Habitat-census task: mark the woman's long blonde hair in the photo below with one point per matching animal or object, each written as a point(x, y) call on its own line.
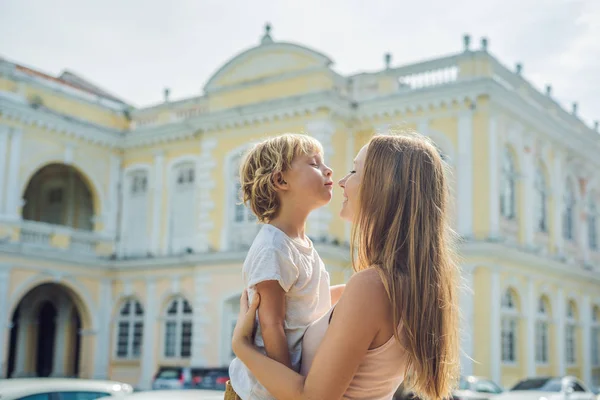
point(401, 228)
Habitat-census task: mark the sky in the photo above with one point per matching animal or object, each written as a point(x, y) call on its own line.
point(136, 48)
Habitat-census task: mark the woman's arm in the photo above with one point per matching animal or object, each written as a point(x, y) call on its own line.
point(354, 325)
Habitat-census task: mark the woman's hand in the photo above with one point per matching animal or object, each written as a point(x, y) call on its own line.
point(243, 333)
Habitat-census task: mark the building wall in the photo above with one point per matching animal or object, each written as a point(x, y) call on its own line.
point(472, 119)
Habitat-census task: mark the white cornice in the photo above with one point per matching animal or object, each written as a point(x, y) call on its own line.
point(275, 109)
point(498, 254)
point(423, 98)
point(581, 141)
point(27, 115)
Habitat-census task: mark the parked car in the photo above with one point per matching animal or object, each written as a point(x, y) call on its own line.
point(190, 378)
point(476, 388)
point(61, 389)
point(189, 394)
point(469, 388)
point(549, 388)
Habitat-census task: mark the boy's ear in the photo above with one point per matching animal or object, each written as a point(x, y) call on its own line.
point(279, 182)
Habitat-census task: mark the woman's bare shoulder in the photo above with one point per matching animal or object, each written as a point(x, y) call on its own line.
point(367, 284)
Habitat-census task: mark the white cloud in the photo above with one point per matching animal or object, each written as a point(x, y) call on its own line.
point(135, 48)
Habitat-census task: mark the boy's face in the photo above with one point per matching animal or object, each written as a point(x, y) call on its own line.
point(309, 180)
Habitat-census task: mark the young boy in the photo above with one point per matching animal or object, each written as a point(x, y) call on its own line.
point(283, 179)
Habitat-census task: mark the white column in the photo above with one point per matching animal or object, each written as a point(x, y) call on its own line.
point(3, 157)
point(62, 320)
point(466, 307)
point(102, 357)
point(4, 318)
point(351, 152)
point(495, 319)
point(148, 341)
point(24, 322)
point(586, 349)
point(582, 235)
point(206, 183)
point(112, 203)
point(464, 167)
point(531, 313)
point(560, 332)
point(494, 166)
point(528, 189)
point(200, 319)
point(13, 195)
point(559, 184)
point(318, 220)
point(159, 161)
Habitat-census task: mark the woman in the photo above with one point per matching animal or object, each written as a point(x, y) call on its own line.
point(398, 316)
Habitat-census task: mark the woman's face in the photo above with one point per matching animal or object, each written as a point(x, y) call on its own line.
point(350, 184)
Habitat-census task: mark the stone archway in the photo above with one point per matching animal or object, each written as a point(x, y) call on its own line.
point(45, 338)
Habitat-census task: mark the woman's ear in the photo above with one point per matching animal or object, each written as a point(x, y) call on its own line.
point(279, 181)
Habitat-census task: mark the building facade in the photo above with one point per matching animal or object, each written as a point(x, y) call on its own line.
point(121, 235)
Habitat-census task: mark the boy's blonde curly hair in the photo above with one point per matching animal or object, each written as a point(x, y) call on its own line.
point(265, 159)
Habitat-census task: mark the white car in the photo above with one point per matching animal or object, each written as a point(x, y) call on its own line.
point(566, 388)
point(61, 389)
point(178, 394)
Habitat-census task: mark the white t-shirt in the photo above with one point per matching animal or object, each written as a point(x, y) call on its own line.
point(301, 273)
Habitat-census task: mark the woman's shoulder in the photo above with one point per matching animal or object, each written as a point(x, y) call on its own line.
point(367, 284)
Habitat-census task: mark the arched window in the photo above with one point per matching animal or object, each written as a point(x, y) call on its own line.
point(182, 223)
point(570, 334)
point(130, 329)
point(178, 329)
point(541, 332)
point(592, 222)
point(569, 212)
point(541, 200)
point(136, 205)
point(508, 189)
point(510, 323)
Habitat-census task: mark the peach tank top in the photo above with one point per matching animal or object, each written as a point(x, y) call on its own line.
point(378, 375)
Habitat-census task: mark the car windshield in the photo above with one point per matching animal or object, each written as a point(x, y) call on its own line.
point(542, 384)
point(168, 374)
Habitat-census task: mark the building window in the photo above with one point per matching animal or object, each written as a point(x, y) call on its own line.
point(596, 336)
point(541, 332)
point(509, 327)
point(135, 229)
point(570, 335)
point(178, 329)
point(541, 201)
point(507, 195)
point(182, 224)
point(569, 212)
point(243, 226)
point(130, 329)
point(592, 221)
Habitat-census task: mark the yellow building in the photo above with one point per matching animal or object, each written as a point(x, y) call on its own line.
point(121, 239)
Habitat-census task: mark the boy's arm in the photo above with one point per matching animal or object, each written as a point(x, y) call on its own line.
point(336, 292)
point(271, 316)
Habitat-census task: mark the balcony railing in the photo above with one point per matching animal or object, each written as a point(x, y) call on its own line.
point(39, 235)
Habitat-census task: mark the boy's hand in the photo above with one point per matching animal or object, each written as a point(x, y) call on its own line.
point(271, 317)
